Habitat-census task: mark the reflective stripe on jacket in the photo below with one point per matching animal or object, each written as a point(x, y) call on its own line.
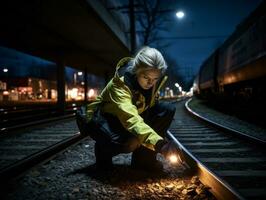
point(116, 98)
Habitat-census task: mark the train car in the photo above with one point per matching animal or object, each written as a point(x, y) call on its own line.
point(237, 69)
point(242, 58)
point(207, 81)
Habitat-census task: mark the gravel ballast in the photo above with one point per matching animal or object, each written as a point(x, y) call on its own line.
point(233, 122)
point(73, 175)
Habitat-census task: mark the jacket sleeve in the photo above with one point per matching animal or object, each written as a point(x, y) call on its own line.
point(121, 106)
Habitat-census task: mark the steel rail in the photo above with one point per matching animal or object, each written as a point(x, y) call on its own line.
point(224, 128)
point(6, 130)
point(219, 188)
point(32, 160)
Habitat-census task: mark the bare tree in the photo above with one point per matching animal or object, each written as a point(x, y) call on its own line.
point(151, 18)
point(148, 19)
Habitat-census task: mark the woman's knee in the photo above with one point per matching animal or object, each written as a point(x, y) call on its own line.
point(167, 108)
point(171, 108)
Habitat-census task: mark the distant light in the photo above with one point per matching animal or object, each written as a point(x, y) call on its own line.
point(176, 84)
point(180, 14)
point(5, 70)
point(6, 93)
point(91, 93)
point(74, 93)
point(80, 73)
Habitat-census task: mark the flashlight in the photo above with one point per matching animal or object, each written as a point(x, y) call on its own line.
point(173, 158)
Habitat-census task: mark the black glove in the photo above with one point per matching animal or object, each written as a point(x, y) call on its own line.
point(165, 147)
point(168, 148)
point(159, 145)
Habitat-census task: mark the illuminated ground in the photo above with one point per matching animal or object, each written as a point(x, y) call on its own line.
point(72, 175)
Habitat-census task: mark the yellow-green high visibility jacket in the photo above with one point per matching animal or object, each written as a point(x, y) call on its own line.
point(116, 98)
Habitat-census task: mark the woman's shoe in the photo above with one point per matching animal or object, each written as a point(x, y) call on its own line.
point(149, 166)
point(103, 158)
point(145, 159)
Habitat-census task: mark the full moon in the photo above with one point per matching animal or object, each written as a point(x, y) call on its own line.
point(180, 14)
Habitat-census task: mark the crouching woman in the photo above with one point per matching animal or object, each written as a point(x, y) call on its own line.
point(126, 117)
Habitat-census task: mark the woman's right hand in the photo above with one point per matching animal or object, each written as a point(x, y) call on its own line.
point(169, 149)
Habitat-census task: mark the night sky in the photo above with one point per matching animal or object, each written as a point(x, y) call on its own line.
point(214, 20)
point(207, 23)
point(24, 65)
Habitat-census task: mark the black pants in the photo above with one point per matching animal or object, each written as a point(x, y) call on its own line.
point(109, 133)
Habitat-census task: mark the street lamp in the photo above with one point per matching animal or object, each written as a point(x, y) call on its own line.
point(179, 88)
point(5, 70)
point(180, 14)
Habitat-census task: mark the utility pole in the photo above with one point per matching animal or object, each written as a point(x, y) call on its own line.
point(132, 26)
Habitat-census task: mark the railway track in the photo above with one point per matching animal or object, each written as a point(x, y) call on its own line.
point(22, 152)
point(234, 167)
point(17, 117)
point(24, 149)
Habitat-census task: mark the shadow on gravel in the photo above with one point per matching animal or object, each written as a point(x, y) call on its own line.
point(124, 173)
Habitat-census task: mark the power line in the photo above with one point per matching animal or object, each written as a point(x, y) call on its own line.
point(192, 37)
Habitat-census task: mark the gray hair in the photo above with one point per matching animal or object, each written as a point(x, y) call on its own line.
point(148, 58)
